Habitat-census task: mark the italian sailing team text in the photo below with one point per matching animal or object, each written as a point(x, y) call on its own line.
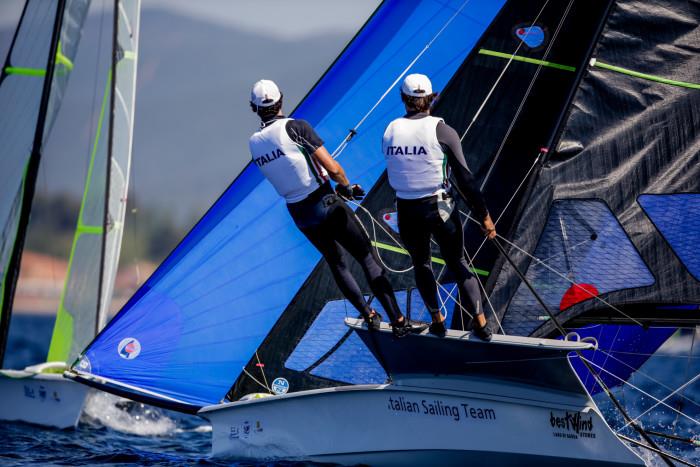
point(439, 408)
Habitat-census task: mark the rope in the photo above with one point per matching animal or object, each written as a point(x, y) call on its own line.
point(262, 370)
point(255, 379)
point(341, 147)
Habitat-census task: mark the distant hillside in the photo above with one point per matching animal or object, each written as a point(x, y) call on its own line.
point(192, 115)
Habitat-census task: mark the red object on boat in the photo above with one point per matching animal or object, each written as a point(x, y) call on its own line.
point(576, 294)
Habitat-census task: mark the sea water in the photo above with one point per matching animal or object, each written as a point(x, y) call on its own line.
point(119, 433)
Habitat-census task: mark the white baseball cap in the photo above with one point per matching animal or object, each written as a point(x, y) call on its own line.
point(265, 93)
point(417, 85)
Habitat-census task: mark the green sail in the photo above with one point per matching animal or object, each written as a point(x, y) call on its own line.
point(87, 291)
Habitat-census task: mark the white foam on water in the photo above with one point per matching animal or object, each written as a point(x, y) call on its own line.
point(125, 416)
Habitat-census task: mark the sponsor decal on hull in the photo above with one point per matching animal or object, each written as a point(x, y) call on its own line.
point(571, 425)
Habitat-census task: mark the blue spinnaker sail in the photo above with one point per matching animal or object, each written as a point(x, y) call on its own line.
point(189, 331)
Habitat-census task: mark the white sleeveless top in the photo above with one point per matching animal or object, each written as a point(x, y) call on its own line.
point(294, 173)
point(415, 161)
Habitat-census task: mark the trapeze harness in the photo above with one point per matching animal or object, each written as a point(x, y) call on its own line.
point(418, 149)
point(282, 150)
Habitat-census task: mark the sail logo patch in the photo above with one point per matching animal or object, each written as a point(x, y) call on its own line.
point(129, 348)
point(84, 364)
point(391, 219)
point(280, 386)
point(532, 36)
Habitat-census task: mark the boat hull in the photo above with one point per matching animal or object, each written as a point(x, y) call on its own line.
point(406, 424)
point(43, 399)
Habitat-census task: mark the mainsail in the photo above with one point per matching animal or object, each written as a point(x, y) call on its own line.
point(186, 335)
point(32, 82)
point(94, 257)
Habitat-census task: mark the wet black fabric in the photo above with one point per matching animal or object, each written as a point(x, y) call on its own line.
point(333, 229)
point(624, 136)
point(419, 221)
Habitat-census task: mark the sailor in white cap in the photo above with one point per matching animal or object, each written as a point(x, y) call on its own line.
point(291, 155)
point(419, 149)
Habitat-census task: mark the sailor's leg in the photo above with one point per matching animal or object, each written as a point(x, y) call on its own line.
point(322, 238)
point(415, 235)
point(352, 236)
point(450, 237)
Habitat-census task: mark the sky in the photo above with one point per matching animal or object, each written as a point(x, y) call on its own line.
point(197, 62)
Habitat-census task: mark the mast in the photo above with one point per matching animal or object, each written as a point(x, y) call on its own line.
point(29, 181)
point(106, 223)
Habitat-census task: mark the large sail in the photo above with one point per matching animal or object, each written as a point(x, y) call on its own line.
point(598, 233)
point(87, 292)
point(32, 82)
point(505, 99)
point(188, 332)
point(609, 230)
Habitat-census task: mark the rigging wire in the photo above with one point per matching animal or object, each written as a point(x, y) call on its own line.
point(687, 370)
point(341, 147)
point(563, 276)
point(586, 363)
point(503, 72)
point(631, 421)
point(638, 371)
point(673, 393)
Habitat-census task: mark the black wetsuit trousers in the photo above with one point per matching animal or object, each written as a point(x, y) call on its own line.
point(420, 219)
point(334, 229)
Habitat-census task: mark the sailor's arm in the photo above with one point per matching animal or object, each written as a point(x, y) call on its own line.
point(464, 180)
point(334, 169)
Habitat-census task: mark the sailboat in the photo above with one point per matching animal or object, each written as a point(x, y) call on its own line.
point(40, 394)
point(242, 324)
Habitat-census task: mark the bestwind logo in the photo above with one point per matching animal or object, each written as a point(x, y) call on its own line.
point(572, 425)
point(406, 151)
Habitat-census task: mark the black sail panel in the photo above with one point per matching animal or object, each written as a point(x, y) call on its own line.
point(605, 214)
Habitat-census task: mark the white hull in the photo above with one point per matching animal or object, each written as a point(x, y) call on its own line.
point(46, 399)
point(453, 401)
point(375, 426)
